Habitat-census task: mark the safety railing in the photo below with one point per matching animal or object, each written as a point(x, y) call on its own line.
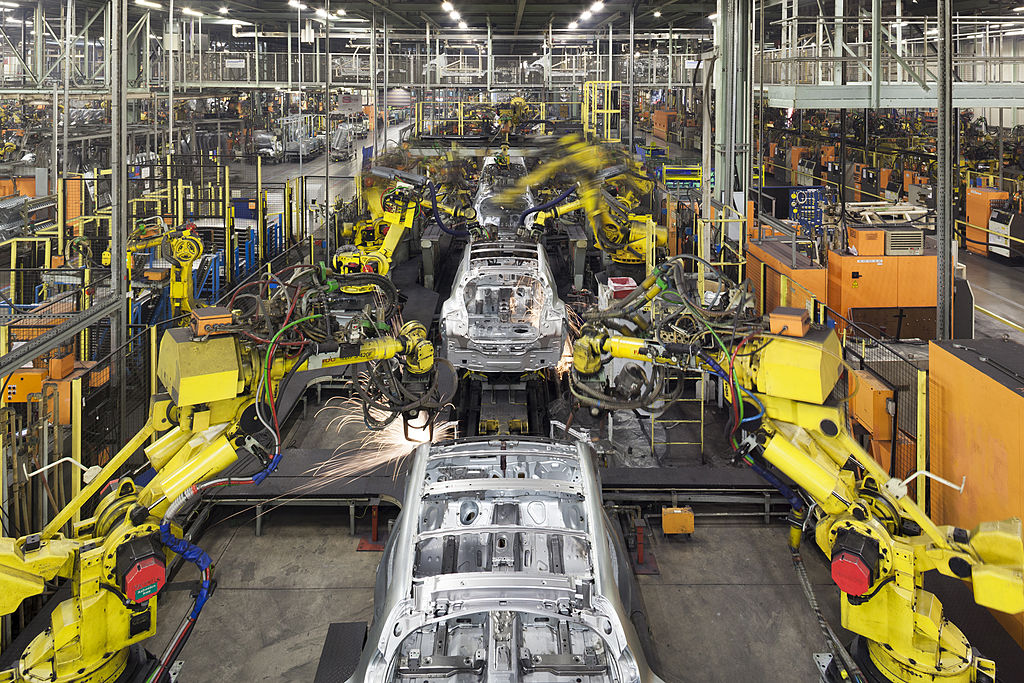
point(882, 372)
point(984, 51)
point(450, 67)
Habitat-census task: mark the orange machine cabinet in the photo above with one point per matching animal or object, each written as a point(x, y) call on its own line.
point(976, 429)
point(869, 404)
point(866, 241)
point(979, 211)
point(663, 120)
point(805, 283)
point(23, 383)
point(881, 281)
point(795, 155)
point(856, 181)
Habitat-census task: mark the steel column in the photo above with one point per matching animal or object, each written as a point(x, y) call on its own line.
point(632, 103)
point(876, 54)
point(944, 181)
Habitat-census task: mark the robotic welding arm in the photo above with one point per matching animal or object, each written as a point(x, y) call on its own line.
point(878, 541)
point(116, 560)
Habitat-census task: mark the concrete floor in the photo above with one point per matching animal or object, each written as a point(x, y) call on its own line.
point(342, 172)
point(997, 287)
point(727, 605)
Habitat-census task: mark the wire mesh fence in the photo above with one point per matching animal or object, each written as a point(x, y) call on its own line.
point(882, 387)
point(115, 397)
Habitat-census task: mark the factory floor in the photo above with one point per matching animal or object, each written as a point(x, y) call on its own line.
point(342, 172)
point(997, 286)
point(727, 605)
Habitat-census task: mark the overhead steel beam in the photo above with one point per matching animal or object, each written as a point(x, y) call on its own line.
point(396, 15)
point(519, 16)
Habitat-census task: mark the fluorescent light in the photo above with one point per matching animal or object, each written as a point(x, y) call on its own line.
point(296, 4)
point(189, 10)
point(341, 13)
point(1015, 9)
point(534, 54)
point(223, 10)
point(586, 15)
point(454, 14)
point(14, 4)
point(714, 16)
point(463, 24)
point(321, 12)
point(142, 3)
point(657, 13)
point(573, 25)
point(597, 6)
point(447, 6)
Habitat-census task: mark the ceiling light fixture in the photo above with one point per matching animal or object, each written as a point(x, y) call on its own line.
point(657, 13)
point(463, 25)
point(454, 14)
point(191, 12)
point(573, 25)
point(223, 10)
point(586, 15)
point(597, 6)
point(321, 12)
point(714, 16)
point(341, 13)
point(447, 6)
point(141, 3)
point(1019, 9)
point(14, 4)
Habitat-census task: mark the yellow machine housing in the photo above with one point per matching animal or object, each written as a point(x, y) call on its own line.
point(195, 372)
point(800, 369)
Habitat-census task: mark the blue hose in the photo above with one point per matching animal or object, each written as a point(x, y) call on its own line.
point(437, 215)
point(721, 373)
point(794, 500)
point(545, 206)
point(195, 555)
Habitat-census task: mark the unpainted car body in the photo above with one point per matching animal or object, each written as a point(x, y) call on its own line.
point(504, 314)
point(503, 567)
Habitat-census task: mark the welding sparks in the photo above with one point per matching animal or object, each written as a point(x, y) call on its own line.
point(375, 449)
point(564, 365)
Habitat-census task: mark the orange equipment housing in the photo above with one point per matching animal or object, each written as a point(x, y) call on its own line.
point(804, 283)
point(976, 429)
point(663, 120)
point(980, 201)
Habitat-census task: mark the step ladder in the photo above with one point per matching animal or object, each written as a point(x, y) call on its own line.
point(697, 397)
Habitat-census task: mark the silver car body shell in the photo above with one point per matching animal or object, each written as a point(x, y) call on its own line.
point(471, 587)
point(495, 177)
point(504, 314)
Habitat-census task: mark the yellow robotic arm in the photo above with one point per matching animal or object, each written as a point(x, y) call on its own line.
point(627, 237)
point(116, 559)
point(879, 542)
point(181, 248)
